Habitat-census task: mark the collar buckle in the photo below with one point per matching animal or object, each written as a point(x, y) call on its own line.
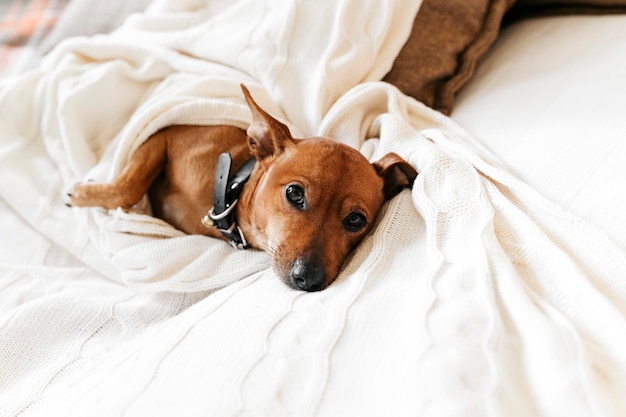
point(217, 217)
point(222, 215)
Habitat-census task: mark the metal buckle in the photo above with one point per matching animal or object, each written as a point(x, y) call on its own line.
point(206, 220)
point(209, 219)
point(223, 214)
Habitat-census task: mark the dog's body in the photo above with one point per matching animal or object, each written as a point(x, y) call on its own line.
point(307, 201)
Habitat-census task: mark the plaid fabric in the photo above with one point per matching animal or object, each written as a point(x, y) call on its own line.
point(23, 26)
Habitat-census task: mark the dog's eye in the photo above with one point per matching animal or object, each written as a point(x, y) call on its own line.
point(354, 222)
point(295, 195)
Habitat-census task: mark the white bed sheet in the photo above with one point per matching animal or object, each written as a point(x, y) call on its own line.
point(550, 101)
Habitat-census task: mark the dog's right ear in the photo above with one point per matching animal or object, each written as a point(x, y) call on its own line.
point(266, 135)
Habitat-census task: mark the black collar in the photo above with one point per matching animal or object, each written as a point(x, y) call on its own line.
point(225, 197)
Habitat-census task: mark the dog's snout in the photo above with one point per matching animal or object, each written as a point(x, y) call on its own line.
point(307, 276)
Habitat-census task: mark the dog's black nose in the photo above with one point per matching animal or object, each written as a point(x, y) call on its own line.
point(307, 276)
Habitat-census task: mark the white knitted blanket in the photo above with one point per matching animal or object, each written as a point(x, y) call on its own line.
point(473, 296)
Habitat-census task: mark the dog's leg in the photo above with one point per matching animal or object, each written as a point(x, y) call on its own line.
point(130, 186)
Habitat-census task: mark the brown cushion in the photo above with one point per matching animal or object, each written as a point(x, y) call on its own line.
point(448, 38)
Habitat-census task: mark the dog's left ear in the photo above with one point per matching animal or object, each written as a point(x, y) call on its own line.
point(266, 135)
point(396, 173)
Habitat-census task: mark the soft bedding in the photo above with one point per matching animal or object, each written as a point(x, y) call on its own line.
point(549, 101)
point(474, 295)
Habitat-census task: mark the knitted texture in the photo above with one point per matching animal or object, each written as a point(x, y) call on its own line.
point(473, 295)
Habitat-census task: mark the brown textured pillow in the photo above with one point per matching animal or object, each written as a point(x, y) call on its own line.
point(447, 40)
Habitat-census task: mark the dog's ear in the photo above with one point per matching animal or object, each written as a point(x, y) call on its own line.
point(266, 135)
point(396, 173)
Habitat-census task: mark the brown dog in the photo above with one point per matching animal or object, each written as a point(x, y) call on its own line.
point(307, 202)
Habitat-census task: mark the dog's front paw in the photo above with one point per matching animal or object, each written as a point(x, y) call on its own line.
point(77, 196)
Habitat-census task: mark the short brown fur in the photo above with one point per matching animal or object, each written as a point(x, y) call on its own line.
point(342, 191)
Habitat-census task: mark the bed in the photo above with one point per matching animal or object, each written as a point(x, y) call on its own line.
point(496, 286)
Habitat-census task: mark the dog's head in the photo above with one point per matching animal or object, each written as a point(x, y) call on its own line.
point(311, 201)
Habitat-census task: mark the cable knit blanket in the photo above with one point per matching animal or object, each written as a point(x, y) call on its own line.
point(473, 296)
